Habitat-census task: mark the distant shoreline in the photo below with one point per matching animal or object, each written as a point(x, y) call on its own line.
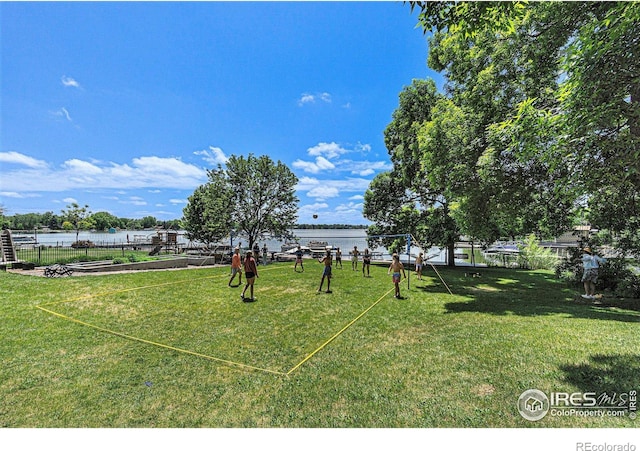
point(297, 226)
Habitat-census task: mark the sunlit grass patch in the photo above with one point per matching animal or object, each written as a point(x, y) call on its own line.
point(204, 316)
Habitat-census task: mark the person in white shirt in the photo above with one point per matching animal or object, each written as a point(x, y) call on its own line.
point(591, 264)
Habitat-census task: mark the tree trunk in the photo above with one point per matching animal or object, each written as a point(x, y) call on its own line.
point(451, 254)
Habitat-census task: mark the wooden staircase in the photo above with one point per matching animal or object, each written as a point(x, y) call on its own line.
point(7, 248)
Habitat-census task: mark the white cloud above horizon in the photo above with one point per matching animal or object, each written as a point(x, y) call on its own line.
point(69, 82)
point(323, 152)
point(307, 98)
point(214, 156)
point(141, 172)
point(21, 159)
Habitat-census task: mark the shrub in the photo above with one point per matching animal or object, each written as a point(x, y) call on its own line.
point(534, 256)
point(614, 275)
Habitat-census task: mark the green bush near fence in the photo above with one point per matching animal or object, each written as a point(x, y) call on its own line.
point(534, 256)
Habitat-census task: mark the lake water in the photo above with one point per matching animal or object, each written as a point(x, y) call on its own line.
point(345, 239)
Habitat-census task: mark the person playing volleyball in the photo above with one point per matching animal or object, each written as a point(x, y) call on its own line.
point(398, 268)
point(326, 273)
point(250, 273)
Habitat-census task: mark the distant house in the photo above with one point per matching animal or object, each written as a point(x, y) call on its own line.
point(578, 233)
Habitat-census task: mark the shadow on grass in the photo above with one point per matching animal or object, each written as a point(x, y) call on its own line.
point(605, 373)
point(524, 293)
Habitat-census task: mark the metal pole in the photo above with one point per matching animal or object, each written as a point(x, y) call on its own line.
point(408, 236)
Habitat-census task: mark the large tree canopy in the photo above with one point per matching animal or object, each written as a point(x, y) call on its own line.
point(551, 94)
point(253, 196)
point(410, 198)
point(207, 216)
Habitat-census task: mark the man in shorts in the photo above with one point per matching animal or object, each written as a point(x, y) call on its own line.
point(398, 269)
point(354, 258)
point(326, 273)
point(366, 263)
point(419, 262)
point(298, 260)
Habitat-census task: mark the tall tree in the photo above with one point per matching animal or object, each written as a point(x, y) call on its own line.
point(79, 217)
point(253, 196)
point(263, 196)
point(409, 199)
point(103, 220)
point(207, 216)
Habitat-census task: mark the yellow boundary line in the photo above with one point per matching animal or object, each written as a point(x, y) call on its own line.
point(142, 340)
point(338, 333)
point(186, 351)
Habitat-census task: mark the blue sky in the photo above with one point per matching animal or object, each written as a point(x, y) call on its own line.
point(124, 106)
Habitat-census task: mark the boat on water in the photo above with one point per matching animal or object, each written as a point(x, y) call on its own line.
point(502, 249)
point(286, 247)
point(318, 245)
point(23, 240)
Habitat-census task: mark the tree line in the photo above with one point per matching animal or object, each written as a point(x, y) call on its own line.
point(537, 130)
point(101, 221)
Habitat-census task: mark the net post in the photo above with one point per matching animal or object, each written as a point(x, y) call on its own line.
point(408, 237)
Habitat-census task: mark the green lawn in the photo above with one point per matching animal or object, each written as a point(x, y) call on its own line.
point(180, 349)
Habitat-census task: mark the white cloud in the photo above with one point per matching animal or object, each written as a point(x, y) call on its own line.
point(177, 201)
point(313, 208)
point(62, 112)
point(364, 148)
point(312, 98)
point(323, 192)
point(329, 150)
point(325, 97)
point(134, 200)
point(346, 185)
point(70, 200)
point(82, 167)
point(143, 172)
point(18, 158)
point(365, 168)
point(306, 183)
point(15, 195)
point(306, 98)
point(70, 82)
point(351, 207)
point(214, 156)
point(321, 164)
point(357, 197)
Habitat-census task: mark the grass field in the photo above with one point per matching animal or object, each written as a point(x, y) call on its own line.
point(180, 349)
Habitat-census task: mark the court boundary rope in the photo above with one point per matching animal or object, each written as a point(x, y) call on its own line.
point(338, 333)
point(186, 351)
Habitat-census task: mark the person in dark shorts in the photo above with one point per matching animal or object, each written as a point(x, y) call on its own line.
point(366, 262)
point(250, 274)
point(339, 257)
point(326, 273)
point(298, 260)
